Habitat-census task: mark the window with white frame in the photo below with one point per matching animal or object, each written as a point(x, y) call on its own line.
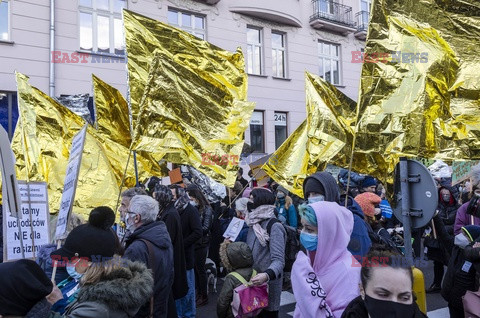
point(190, 22)
point(5, 20)
point(279, 54)
point(280, 128)
point(257, 135)
point(254, 51)
point(365, 7)
point(101, 28)
point(329, 62)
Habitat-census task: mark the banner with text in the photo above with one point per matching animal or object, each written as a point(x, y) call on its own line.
point(34, 224)
point(461, 170)
point(10, 191)
point(70, 183)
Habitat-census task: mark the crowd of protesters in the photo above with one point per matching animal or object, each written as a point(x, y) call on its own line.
point(157, 266)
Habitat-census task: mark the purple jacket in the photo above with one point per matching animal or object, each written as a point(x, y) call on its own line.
point(463, 219)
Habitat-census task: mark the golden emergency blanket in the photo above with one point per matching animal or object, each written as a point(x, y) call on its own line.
point(47, 129)
point(114, 133)
point(203, 127)
point(192, 108)
point(326, 133)
point(420, 84)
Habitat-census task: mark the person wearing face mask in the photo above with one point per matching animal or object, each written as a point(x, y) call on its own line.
point(462, 218)
point(241, 211)
point(84, 244)
point(324, 278)
point(126, 196)
point(198, 200)
point(386, 289)
point(321, 186)
point(285, 208)
point(150, 244)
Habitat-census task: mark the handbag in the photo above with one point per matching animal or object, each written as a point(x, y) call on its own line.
point(471, 304)
point(248, 299)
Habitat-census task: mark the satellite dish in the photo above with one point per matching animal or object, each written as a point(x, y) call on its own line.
point(423, 194)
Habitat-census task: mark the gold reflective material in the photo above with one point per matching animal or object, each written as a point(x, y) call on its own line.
point(47, 129)
point(425, 100)
point(114, 133)
point(188, 117)
point(325, 135)
point(143, 37)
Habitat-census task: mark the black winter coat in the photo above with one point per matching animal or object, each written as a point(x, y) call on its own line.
point(192, 233)
point(174, 227)
point(357, 309)
point(448, 212)
point(473, 255)
point(137, 250)
point(206, 219)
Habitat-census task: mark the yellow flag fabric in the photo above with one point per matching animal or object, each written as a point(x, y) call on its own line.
point(188, 97)
point(326, 134)
point(42, 139)
point(203, 128)
point(422, 98)
point(114, 133)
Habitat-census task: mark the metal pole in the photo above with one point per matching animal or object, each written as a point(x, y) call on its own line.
point(136, 168)
point(52, 49)
point(404, 186)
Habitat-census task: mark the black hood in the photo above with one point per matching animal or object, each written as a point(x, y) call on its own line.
point(323, 180)
point(155, 232)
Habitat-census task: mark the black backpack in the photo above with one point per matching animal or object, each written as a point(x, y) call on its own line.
point(292, 243)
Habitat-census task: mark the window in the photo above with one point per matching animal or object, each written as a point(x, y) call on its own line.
point(4, 20)
point(101, 29)
point(8, 112)
point(279, 54)
point(326, 6)
point(280, 128)
point(254, 51)
point(329, 62)
point(256, 132)
point(365, 7)
point(192, 23)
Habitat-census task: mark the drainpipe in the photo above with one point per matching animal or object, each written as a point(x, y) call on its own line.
point(52, 48)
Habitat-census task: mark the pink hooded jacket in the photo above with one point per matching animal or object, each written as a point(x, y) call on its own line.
point(326, 288)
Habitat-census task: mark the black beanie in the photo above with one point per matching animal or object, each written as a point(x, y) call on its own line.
point(22, 284)
point(313, 185)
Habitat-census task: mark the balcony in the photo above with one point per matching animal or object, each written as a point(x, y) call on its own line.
point(332, 16)
point(285, 12)
point(362, 25)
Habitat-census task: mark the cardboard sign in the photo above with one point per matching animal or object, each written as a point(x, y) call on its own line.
point(70, 183)
point(10, 192)
point(34, 224)
point(234, 229)
point(461, 170)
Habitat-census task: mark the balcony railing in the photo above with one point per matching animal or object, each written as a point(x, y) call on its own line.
point(333, 12)
point(362, 20)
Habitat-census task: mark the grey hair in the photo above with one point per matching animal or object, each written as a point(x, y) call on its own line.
point(145, 206)
point(130, 193)
point(475, 177)
point(241, 205)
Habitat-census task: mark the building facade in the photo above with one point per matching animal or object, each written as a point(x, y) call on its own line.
point(281, 39)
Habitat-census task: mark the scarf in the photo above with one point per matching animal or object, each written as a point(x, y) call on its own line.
point(255, 217)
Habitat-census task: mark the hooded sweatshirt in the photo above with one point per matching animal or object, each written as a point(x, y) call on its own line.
point(330, 283)
point(137, 250)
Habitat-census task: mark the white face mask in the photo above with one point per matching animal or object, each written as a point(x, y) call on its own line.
point(193, 203)
point(461, 240)
point(130, 222)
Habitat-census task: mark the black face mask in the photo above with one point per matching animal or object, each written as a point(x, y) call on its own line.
point(388, 309)
point(250, 206)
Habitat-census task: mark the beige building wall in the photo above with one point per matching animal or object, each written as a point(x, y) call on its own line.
point(27, 49)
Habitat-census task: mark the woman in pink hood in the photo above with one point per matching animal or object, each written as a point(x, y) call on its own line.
point(324, 281)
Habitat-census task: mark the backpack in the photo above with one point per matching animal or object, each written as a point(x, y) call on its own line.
point(292, 243)
point(378, 239)
point(248, 300)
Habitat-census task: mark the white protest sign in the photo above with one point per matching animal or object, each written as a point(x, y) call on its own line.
point(11, 196)
point(70, 183)
point(34, 225)
point(234, 229)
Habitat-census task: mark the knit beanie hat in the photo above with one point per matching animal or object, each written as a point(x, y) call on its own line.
point(22, 284)
point(471, 231)
point(368, 182)
point(367, 202)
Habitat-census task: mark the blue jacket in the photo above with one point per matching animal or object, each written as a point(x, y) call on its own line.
point(360, 242)
point(290, 215)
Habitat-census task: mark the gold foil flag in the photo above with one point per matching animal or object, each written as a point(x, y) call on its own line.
point(422, 98)
point(325, 134)
point(186, 118)
point(114, 133)
point(144, 37)
point(42, 141)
